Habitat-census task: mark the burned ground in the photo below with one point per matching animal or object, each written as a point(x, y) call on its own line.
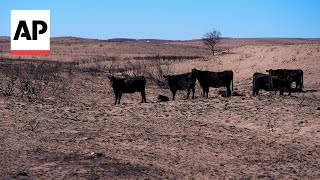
point(83, 135)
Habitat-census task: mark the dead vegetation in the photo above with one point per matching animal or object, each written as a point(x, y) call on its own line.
point(33, 79)
point(80, 134)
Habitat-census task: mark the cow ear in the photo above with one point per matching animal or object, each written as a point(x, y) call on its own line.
point(165, 76)
point(110, 77)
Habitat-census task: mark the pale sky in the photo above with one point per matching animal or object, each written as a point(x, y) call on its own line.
point(173, 19)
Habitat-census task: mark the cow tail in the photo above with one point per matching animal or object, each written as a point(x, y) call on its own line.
point(232, 83)
point(302, 81)
point(271, 82)
point(253, 85)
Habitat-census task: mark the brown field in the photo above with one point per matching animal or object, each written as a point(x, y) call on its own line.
point(72, 130)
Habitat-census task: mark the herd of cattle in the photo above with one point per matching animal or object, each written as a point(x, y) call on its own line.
point(276, 80)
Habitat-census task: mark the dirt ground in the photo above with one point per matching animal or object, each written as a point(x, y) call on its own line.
point(242, 137)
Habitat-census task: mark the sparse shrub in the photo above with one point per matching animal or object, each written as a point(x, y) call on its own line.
point(168, 58)
point(35, 78)
point(136, 68)
point(93, 70)
point(294, 58)
point(274, 60)
point(152, 70)
point(7, 87)
point(97, 58)
point(272, 49)
point(31, 79)
point(96, 65)
point(116, 67)
point(156, 72)
point(243, 56)
point(10, 76)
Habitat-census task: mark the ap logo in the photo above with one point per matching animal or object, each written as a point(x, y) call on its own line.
point(30, 32)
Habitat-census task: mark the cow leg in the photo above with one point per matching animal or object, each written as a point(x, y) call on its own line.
point(116, 98)
point(203, 92)
point(207, 92)
point(228, 91)
point(289, 90)
point(143, 97)
point(173, 94)
point(255, 91)
point(281, 92)
point(188, 94)
point(193, 93)
point(119, 98)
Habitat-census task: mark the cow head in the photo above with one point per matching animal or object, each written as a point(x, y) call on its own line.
point(269, 71)
point(193, 72)
point(165, 83)
point(111, 78)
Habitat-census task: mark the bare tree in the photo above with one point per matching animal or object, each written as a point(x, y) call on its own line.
point(211, 38)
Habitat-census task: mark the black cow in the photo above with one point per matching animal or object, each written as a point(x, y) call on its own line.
point(181, 82)
point(281, 84)
point(128, 85)
point(214, 79)
point(261, 81)
point(162, 98)
point(268, 82)
point(295, 74)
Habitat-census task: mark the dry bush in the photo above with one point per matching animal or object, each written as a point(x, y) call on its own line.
point(7, 86)
point(243, 56)
point(93, 69)
point(136, 68)
point(94, 66)
point(97, 58)
point(35, 78)
point(152, 70)
point(167, 58)
point(7, 83)
point(157, 70)
point(32, 79)
point(116, 67)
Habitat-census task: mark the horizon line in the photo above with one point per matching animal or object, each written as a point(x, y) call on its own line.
point(155, 39)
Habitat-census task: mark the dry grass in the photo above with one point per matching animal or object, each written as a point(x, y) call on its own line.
point(84, 136)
